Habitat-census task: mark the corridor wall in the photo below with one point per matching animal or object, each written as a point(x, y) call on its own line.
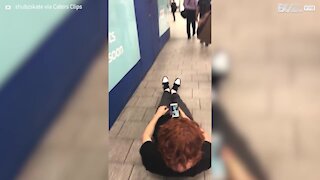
point(150, 44)
point(35, 92)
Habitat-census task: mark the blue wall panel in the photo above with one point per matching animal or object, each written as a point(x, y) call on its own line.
point(150, 45)
point(34, 95)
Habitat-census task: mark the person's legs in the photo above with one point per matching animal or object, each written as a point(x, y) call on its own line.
point(188, 28)
point(176, 98)
point(166, 96)
point(188, 23)
point(165, 99)
point(174, 16)
point(193, 28)
point(193, 21)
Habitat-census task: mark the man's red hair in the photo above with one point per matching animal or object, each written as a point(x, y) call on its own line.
point(179, 142)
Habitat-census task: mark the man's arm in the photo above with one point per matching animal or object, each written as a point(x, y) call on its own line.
point(183, 115)
point(207, 137)
point(148, 132)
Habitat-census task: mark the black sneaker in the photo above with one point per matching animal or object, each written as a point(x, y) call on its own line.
point(165, 82)
point(176, 84)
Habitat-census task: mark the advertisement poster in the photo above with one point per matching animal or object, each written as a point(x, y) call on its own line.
point(123, 40)
point(163, 10)
point(23, 30)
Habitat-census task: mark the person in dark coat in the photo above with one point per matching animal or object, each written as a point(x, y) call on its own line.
point(190, 7)
point(204, 26)
point(173, 9)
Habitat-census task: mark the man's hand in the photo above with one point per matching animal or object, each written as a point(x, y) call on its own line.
point(162, 110)
point(207, 137)
point(182, 114)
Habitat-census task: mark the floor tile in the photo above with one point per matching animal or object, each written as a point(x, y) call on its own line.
point(132, 130)
point(119, 149)
point(134, 153)
point(120, 171)
point(140, 173)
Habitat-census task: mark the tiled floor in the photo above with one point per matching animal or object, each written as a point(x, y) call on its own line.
point(179, 58)
point(75, 146)
point(273, 92)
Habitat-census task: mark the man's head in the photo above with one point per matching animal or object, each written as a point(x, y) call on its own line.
point(180, 143)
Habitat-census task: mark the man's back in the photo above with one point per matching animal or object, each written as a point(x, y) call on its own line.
point(173, 6)
point(190, 4)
